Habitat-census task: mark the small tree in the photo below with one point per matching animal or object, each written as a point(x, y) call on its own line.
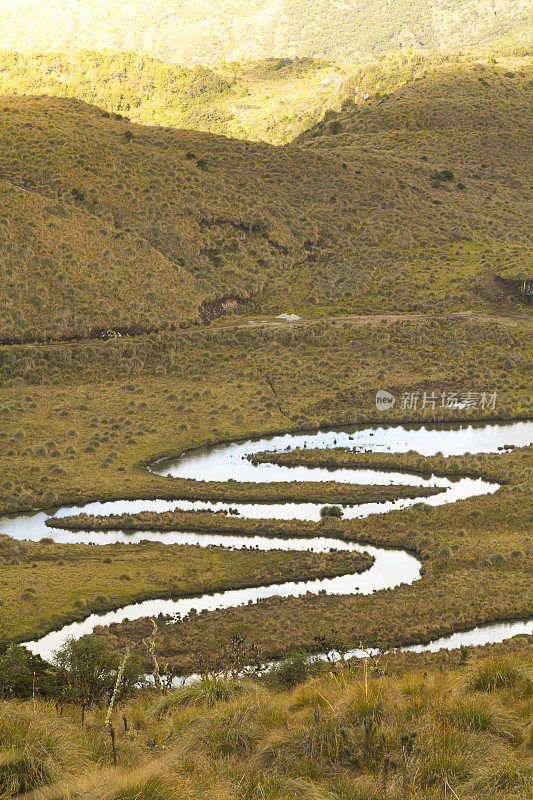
point(87, 671)
point(22, 673)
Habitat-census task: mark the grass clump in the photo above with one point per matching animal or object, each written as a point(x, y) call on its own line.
point(331, 511)
point(500, 674)
point(36, 750)
point(207, 691)
point(149, 789)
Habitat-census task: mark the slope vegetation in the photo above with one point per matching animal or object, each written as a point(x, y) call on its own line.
point(476, 121)
point(109, 223)
point(198, 32)
point(273, 100)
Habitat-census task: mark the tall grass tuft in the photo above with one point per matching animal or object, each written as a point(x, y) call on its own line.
point(208, 690)
point(149, 789)
point(494, 674)
point(36, 750)
point(469, 714)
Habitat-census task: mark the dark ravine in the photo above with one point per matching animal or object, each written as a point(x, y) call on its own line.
point(210, 310)
point(519, 288)
point(99, 333)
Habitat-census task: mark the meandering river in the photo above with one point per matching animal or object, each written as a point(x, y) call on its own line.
point(229, 462)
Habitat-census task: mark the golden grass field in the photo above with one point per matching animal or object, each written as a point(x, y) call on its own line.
point(413, 728)
point(398, 227)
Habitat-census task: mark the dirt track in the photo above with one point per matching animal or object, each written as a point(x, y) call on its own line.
point(357, 320)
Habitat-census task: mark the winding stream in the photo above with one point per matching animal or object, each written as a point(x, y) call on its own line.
point(229, 462)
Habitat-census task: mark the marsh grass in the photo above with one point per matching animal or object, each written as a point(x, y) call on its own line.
point(217, 375)
point(92, 579)
point(478, 581)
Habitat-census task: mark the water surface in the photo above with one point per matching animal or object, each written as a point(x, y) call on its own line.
point(222, 463)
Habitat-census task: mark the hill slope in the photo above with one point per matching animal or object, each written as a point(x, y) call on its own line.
point(273, 100)
point(114, 224)
point(198, 32)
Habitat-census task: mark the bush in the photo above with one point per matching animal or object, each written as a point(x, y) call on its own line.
point(331, 511)
point(295, 669)
point(335, 126)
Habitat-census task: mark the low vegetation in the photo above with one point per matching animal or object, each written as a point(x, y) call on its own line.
point(119, 242)
point(490, 466)
point(398, 727)
point(91, 579)
point(272, 100)
point(113, 226)
point(477, 568)
point(220, 521)
point(80, 420)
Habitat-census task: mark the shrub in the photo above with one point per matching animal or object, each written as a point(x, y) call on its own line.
point(335, 126)
point(295, 669)
point(331, 511)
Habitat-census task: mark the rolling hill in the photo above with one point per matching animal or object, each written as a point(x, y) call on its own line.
point(110, 224)
point(272, 100)
point(194, 31)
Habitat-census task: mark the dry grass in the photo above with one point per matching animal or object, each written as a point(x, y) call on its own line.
point(495, 467)
point(417, 735)
point(109, 224)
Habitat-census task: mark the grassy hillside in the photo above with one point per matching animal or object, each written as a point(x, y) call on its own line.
point(411, 727)
point(457, 113)
point(195, 32)
point(273, 100)
point(112, 224)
